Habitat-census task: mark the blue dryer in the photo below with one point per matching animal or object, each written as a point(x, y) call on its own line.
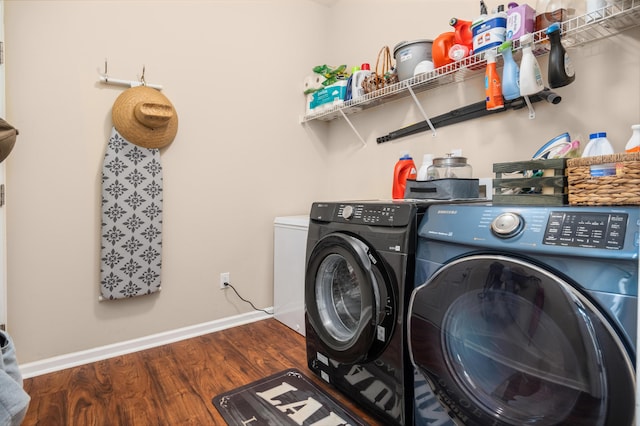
point(527, 315)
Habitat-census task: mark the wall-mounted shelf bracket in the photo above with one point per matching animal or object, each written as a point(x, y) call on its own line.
point(424, 114)
point(353, 127)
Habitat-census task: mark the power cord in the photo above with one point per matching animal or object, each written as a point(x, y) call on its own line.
point(245, 300)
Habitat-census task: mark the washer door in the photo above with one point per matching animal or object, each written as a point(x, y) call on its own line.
point(505, 342)
point(349, 299)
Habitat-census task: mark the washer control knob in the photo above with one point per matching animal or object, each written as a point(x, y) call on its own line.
point(347, 212)
point(507, 225)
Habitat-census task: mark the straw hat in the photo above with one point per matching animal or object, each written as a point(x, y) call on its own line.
point(7, 139)
point(145, 117)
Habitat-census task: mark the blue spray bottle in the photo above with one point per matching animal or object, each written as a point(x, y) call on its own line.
point(510, 73)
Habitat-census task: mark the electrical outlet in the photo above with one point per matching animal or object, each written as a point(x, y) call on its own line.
point(224, 278)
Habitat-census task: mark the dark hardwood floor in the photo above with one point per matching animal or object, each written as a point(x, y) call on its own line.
point(171, 384)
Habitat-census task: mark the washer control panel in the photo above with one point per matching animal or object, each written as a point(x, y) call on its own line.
point(591, 230)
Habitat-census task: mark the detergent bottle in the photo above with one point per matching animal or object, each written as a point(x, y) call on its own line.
point(561, 72)
point(357, 78)
point(633, 145)
point(405, 169)
point(530, 74)
point(510, 72)
point(492, 86)
point(599, 145)
point(441, 47)
point(462, 37)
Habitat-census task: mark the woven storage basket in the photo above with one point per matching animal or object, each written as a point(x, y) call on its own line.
point(622, 188)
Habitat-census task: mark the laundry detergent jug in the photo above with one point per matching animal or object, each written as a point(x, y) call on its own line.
point(405, 169)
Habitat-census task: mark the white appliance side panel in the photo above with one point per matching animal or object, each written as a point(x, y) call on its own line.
point(289, 252)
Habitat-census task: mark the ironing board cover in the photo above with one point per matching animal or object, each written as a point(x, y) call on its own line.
point(131, 219)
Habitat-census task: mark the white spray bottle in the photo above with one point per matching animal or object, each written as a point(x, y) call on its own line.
point(530, 74)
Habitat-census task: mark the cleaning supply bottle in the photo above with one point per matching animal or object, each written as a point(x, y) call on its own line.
point(489, 30)
point(357, 78)
point(598, 145)
point(510, 72)
point(530, 75)
point(462, 36)
point(561, 72)
point(634, 142)
point(423, 172)
point(348, 94)
point(441, 47)
point(405, 169)
point(476, 24)
point(492, 86)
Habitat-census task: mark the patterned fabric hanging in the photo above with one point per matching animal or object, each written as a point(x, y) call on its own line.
point(131, 251)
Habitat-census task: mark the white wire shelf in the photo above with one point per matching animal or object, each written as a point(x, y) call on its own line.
point(612, 19)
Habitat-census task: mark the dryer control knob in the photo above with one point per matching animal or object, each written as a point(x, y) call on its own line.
point(507, 225)
point(347, 212)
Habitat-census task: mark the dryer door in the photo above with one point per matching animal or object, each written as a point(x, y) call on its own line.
point(503, 341)
point(349, 298)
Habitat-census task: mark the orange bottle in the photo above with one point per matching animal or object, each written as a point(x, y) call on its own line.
point(463, 34)
point(492, 85)
point(405, 169)
point(440, 49)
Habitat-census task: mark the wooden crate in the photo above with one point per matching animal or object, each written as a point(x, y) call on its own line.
point(550, 189)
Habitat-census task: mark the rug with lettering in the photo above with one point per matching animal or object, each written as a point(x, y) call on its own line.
point(285, 398)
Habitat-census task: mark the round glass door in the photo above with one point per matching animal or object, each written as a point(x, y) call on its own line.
point(339, 297)
point(506, 342)
point(348, 298)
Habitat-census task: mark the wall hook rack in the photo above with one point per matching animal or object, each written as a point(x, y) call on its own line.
point(105, 79)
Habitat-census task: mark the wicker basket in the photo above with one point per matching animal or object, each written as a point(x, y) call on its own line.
point(619, 189)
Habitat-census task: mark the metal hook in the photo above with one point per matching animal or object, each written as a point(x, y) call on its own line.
point(144, 83)
point(106, 77)
point(532, 112)
point(131, 83)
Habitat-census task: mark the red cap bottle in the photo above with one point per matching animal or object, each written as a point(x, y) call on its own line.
point(405, 169)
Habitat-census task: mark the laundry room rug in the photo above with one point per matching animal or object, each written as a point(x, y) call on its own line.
point(285, 398)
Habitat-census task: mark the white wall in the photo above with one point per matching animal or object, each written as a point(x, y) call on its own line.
point(234, 71)
point(241, 157)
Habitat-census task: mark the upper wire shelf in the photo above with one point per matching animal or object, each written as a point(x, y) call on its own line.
point(607, 21)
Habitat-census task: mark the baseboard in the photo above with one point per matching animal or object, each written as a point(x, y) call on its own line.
point(74, 359)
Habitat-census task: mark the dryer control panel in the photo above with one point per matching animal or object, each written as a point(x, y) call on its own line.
point(392, 213)
point(590, 230)
point(361, 213)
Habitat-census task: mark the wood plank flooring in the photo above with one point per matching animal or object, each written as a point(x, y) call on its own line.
point(172, 384)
